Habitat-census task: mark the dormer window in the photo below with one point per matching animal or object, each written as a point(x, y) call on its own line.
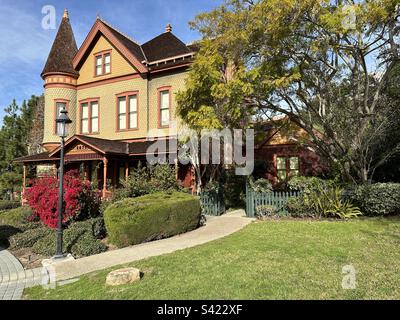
point(102, 63)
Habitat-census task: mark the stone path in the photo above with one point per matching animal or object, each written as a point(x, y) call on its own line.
point(13, 277)
point(215, 228)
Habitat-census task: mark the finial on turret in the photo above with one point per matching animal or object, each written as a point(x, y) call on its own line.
point(98, 16)
point(168, 28)
point(65, 15)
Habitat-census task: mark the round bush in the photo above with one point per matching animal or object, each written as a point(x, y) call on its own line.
point(378, 199)
point(150, 217)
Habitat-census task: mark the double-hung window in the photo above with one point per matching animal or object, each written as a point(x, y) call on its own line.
point(102, 63)
point(127, 111)
point(164, 103)
point(89, 116)
point(287, 167)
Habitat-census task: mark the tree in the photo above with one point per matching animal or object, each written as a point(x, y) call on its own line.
point(323, 64)
point(16, 135)
point(35, 134)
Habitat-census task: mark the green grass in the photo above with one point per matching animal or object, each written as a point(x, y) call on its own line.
point(284, 259)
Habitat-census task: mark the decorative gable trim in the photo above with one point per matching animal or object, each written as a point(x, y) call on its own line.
point(99, 26)
point(75, 138)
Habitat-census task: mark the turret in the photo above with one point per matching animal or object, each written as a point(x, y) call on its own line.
point(60, 79)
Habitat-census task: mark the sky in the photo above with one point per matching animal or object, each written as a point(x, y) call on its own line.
point(25, 44)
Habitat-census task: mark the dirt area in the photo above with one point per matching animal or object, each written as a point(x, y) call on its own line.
point(28, 259)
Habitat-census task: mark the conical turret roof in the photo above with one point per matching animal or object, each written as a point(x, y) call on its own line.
point(63, 50)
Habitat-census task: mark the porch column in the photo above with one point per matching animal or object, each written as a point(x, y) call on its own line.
point(126, 170)
point(105, 162)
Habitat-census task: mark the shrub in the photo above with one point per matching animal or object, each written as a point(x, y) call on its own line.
point(308, 185)
point(19, 217)
point(28, 238)
point(9, 204)
point(78, 240)
point(147, 180)
point(261, 185)
point(96, 226)
point(296, 207)
point(81, 201)
point(378, 199)
point(322, 202)
point(150, 217)
point(264, 211)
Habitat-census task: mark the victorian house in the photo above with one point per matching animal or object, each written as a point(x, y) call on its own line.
point(120, 96)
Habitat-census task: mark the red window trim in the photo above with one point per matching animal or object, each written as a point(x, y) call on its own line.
point(126, 94)
point(89, 101)
point(67, 102)
point(159, 90)
point(103, 65)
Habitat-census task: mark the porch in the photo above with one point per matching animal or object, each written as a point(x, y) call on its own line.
point(105, 163)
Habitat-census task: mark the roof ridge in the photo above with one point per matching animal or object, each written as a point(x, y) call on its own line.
point(122, 33)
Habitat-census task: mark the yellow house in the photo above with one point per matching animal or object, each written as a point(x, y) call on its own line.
point(120, 96)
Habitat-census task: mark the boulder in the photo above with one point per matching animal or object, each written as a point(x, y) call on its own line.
point(123, 276)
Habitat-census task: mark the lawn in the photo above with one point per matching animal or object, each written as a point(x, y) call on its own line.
point(285, 259)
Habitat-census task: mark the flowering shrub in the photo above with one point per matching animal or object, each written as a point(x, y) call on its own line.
point(80, 200)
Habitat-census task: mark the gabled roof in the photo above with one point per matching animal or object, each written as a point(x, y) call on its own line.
point(126, 46)
point(102, 146)
point(164, 46)
point(63, 50)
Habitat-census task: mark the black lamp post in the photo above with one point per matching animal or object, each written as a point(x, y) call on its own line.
point(62, 123)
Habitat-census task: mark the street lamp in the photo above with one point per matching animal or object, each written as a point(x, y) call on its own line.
point(62, 123)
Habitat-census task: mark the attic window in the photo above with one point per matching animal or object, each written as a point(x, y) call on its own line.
point(102, 63)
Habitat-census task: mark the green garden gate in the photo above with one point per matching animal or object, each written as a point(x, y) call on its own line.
point(213, 202)
point(273, 198)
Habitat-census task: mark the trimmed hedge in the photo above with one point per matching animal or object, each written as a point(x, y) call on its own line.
point(151, 217)
point(9, 204)
point(378, 199)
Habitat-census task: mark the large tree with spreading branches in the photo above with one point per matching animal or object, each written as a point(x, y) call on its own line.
point(325, 64)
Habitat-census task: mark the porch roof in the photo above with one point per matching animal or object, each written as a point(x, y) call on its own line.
point(40, 157)
point(103, 147)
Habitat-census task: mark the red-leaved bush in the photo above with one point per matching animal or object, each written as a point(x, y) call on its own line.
point(80, 200)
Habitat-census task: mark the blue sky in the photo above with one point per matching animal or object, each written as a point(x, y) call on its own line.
point(24, 44)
